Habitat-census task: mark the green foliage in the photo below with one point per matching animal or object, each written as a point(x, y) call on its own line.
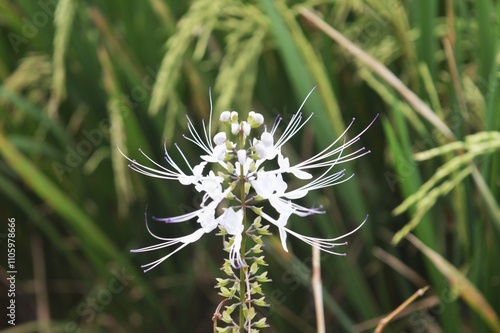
point(77, 79)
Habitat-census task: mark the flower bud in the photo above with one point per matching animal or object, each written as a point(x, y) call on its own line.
point(230, 167)
point(255, 119)
point(248, 186)
point(242, 155)
point(234, 117)
point(224, 116)
point(235, 128)
point(220, 138)
point(252, 168)
point(246, 128)
point(230, 145)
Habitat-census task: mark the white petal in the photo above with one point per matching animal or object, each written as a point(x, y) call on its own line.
point(206, 216)
point(295, 194)
point(280, 223)
point(283, 162)
point(198, 169)
point(234, 253)
point(267, 139)
point(282, 232)
point(264, 184)
point(220, 152)
point(300, 174)
point(186, 180)
point(260, 149)
point(220, 138)
point(280, 184)
point(232, 221)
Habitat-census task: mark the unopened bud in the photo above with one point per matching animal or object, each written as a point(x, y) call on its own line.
point(224, 116)
point(220, 138)
point(234, 117)
point(255, 119)
point(235, 128)
point(246, 128)
point(242, 155)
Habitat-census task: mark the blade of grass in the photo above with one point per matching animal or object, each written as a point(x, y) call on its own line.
point(36, 113)
point(302, 83)
point(488, 48)
point(123, 186)
point(46, 226)
point(63, 21)
point(412, 99)
point(410, 183)
point(466, 289)
point(302, 273)
point(316, 69)
point(97, 245)
point(486, 37)
point(424, 18)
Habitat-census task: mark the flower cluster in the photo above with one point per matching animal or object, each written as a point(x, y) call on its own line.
point(246, 179)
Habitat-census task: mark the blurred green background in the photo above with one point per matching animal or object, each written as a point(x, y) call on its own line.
point(79, 77)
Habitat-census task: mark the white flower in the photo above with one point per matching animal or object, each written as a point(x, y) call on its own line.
point(247, 180)
point(233, 223)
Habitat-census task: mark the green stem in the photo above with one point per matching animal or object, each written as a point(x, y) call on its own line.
point(243, 242)
point(242, 298)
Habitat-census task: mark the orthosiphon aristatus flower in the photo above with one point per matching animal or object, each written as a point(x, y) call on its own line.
point(253, 170)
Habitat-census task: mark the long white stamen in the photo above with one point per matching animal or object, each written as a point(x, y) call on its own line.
point(184, 157)
point(209, 136)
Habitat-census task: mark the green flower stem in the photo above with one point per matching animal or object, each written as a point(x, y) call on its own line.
point(243, 241)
